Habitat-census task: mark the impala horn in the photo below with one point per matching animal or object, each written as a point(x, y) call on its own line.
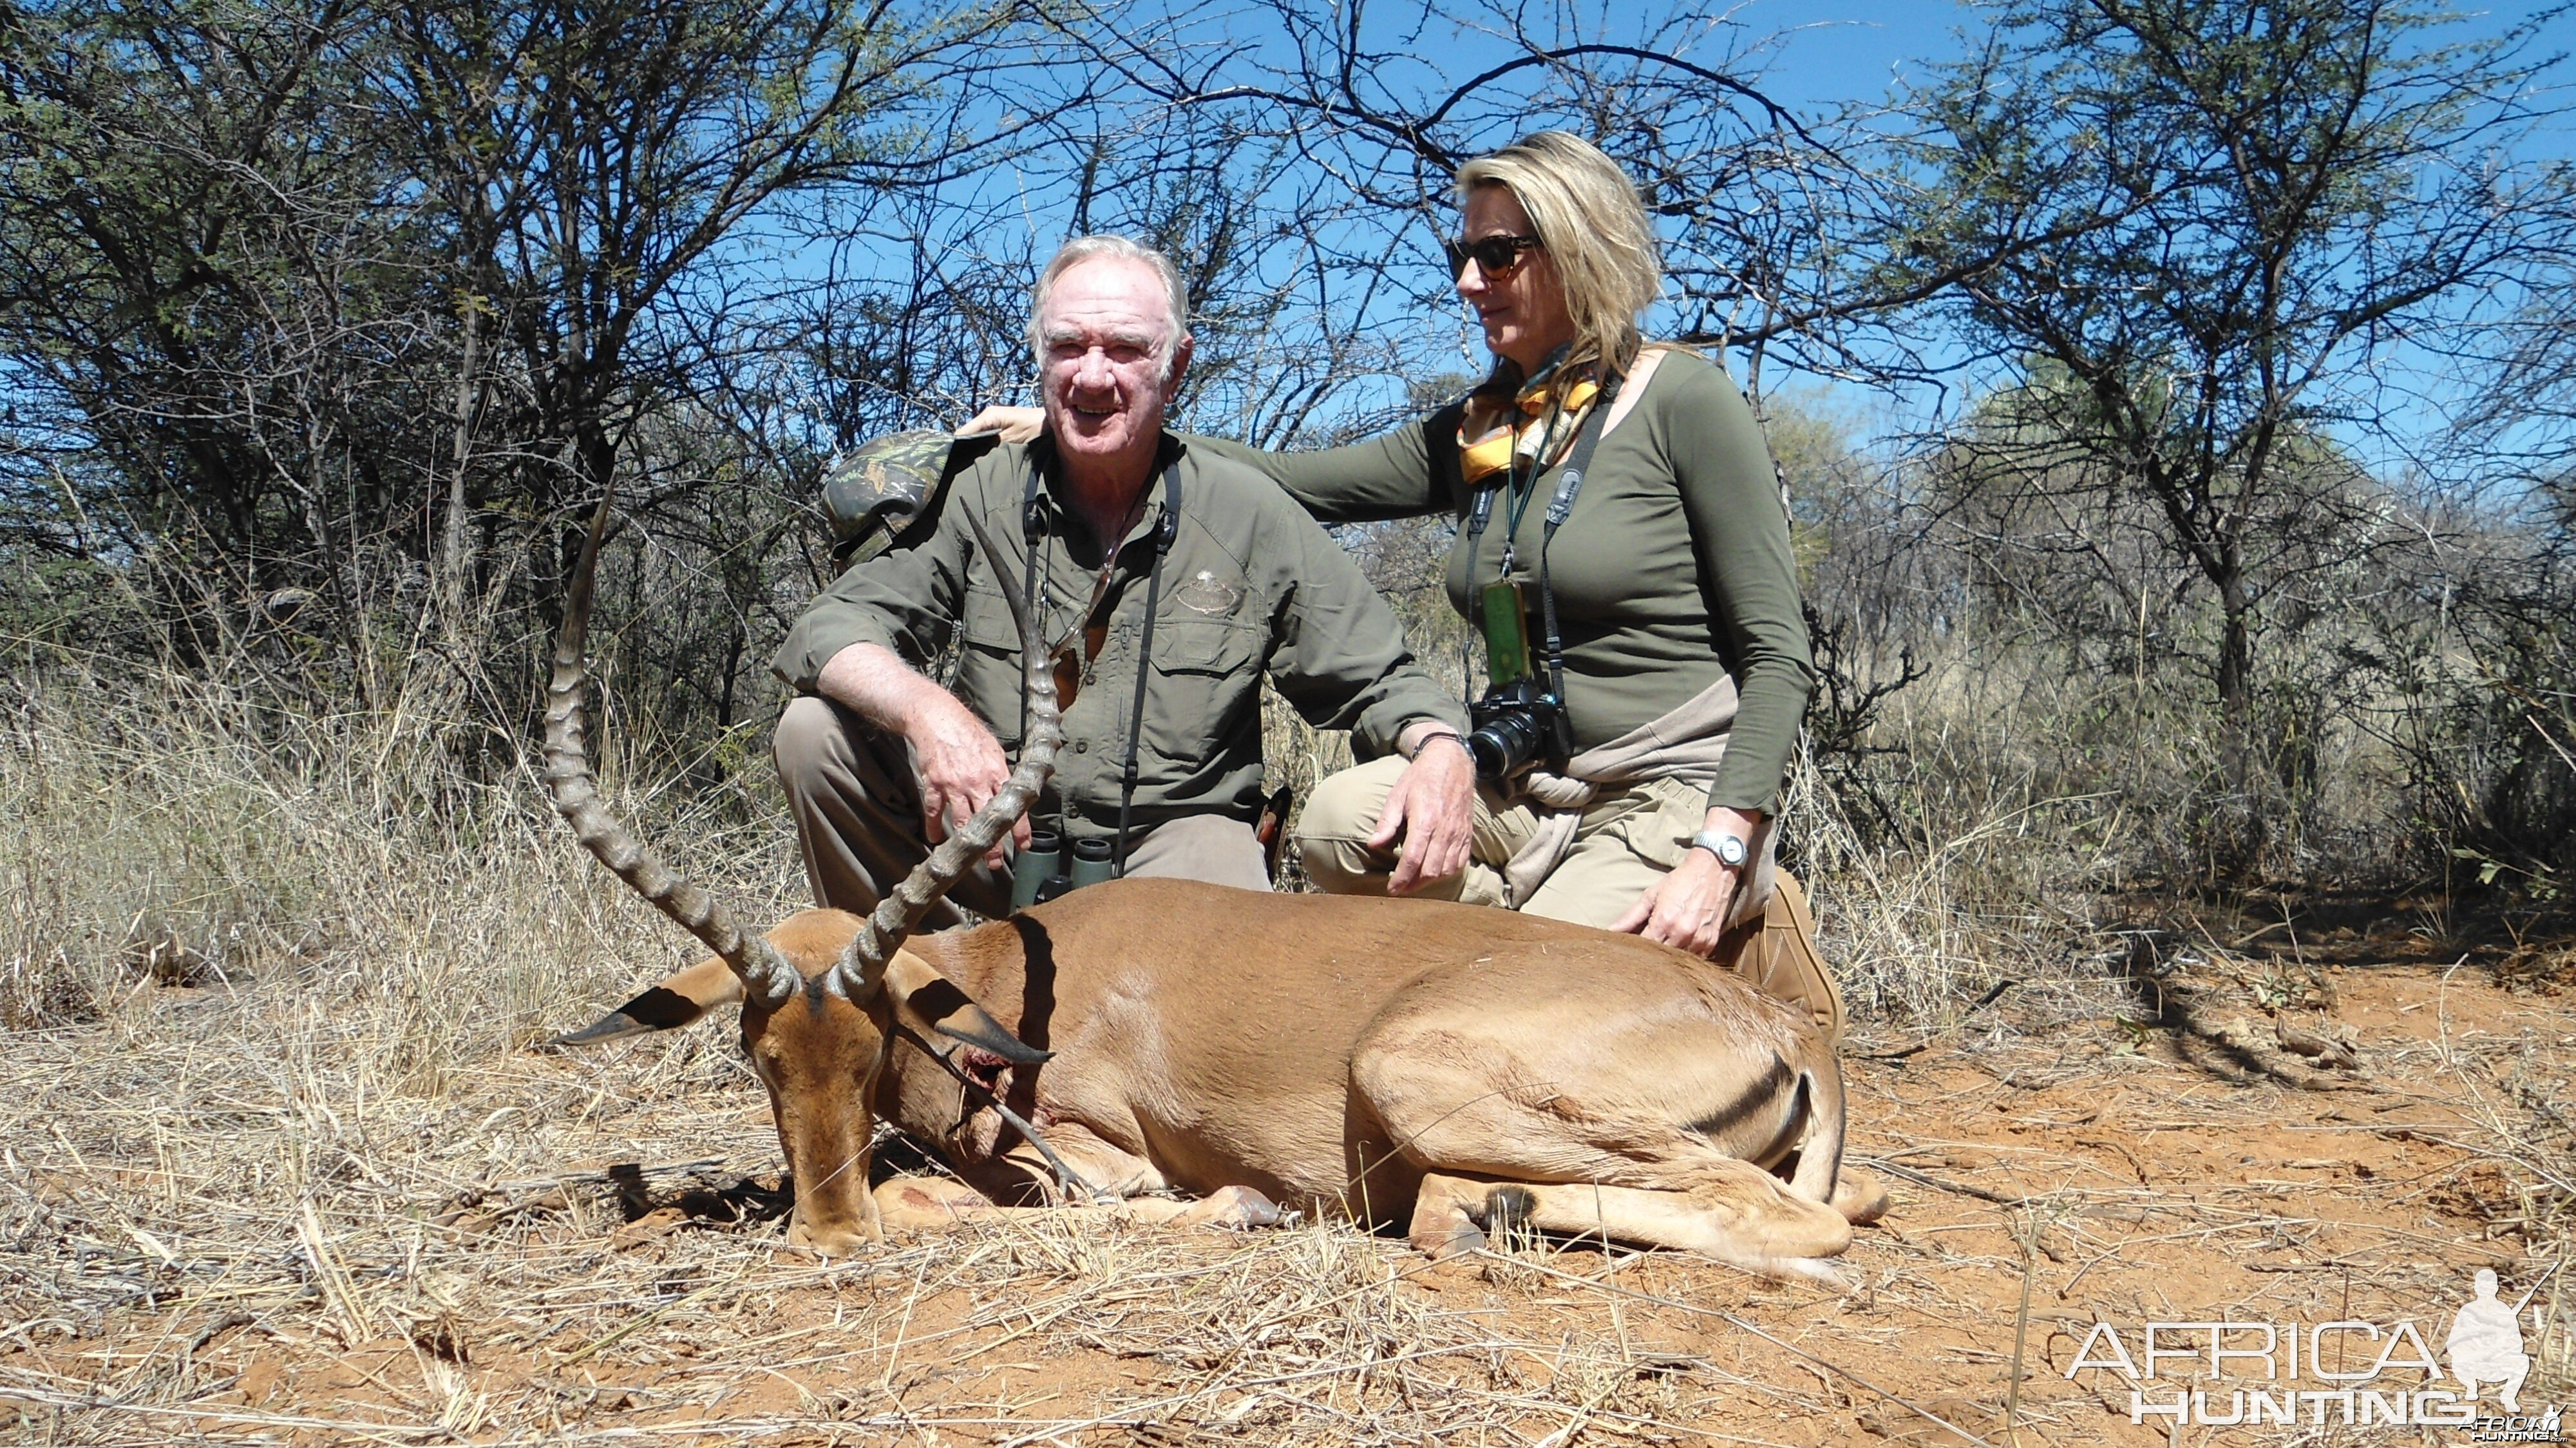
point(861, 971)
point(766, 975)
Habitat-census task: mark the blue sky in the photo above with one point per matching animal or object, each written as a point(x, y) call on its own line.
point(1849, 50)
point(1815, 56)
point(1840, 51)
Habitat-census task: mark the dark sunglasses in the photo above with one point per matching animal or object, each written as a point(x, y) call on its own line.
point(1497, 256)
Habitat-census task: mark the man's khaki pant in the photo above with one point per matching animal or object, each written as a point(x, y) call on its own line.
point(858, 818)
point(1628, 840)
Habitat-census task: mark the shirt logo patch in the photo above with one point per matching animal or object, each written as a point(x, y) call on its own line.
point(1205, 594)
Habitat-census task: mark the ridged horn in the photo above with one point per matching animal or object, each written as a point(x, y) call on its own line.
point(766, 975)
point(860, 972)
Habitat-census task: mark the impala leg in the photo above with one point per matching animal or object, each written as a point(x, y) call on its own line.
point(1455, 1113)
point(1015, 1184)
point(1738, 1216)
point(911, 1203)
point(1714, 1205)
point(1747, 1222)
point(916, 1203)
point(1237, 1207)
point(1523, 1125)
point(1860, 1197)
point(1448, 1216)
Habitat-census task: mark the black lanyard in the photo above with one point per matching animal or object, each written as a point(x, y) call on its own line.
point(1568, 484)
point(1033, 532)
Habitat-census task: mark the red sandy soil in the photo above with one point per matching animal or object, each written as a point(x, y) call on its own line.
point(2180, 1172)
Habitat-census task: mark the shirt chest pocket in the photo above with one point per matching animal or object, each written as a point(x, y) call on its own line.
point(987, 621)
point(1203, 688)
point(988, 662)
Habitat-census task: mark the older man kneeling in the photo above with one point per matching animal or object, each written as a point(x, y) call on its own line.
point(1168, 582)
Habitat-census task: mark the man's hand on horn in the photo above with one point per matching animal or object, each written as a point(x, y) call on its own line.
point(960, 766)
point(955, 759)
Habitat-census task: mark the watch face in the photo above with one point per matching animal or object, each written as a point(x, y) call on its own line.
point(1729, 849)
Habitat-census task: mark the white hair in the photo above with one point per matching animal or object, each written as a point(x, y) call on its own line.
point(1176, 300)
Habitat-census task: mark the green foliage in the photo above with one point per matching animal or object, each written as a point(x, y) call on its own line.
point(315, 325)
point(2198, 228)
point(206, 281)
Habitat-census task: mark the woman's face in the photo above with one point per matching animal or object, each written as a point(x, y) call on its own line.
point(1524, 308)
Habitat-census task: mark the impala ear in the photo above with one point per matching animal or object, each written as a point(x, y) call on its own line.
point(676, 1002)
point(932, 1004)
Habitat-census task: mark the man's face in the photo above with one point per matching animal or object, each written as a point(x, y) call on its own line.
point(1103, 383)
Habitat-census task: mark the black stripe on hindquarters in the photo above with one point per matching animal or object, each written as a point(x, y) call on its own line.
point(1765, 1089)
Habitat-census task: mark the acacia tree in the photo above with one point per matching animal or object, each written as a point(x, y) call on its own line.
point(1767, 214)
point(2256, 206)
point(349, 300)
point(212, 326)
point(603, 160)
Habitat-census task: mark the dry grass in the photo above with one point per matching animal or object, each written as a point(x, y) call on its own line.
point(276, 1165)
point(228, 1218)
point(445, 919)
point(210, 1231)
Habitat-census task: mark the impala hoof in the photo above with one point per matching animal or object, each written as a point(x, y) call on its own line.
point(1458, 1237)
point(832, 1241)
point(1509, 1209)
point(1234, 1207)
point(1817, 1270)
point(1861, 1198)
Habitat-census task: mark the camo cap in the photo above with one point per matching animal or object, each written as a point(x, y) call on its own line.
point(880, 488)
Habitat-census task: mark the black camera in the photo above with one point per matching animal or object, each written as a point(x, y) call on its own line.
point(1518, 724)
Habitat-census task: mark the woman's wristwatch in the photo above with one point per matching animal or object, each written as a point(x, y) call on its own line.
point(1730, 849)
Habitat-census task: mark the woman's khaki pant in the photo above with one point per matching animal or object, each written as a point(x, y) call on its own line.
point(1628, 840)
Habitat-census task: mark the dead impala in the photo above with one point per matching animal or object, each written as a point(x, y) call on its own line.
point(1446, 1066)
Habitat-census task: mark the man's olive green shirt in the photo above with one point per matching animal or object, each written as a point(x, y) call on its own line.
point(1673, 570)
point(1252, 586)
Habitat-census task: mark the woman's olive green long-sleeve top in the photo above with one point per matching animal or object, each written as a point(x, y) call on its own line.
point(1673, 569)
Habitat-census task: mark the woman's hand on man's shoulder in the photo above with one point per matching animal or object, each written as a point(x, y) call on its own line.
point(1015, 424)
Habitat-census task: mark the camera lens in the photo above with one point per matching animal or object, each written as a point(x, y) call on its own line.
point(1505, 746)
point(1516, 725)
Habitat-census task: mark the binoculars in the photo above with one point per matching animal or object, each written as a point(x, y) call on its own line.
point(1047, 869)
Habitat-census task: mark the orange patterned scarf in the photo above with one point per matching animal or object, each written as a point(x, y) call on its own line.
point(1533, 422)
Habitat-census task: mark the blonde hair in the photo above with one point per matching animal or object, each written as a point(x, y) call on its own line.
point(1587, 214)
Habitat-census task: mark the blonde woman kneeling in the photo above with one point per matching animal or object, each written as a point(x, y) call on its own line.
point(1683, 654)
